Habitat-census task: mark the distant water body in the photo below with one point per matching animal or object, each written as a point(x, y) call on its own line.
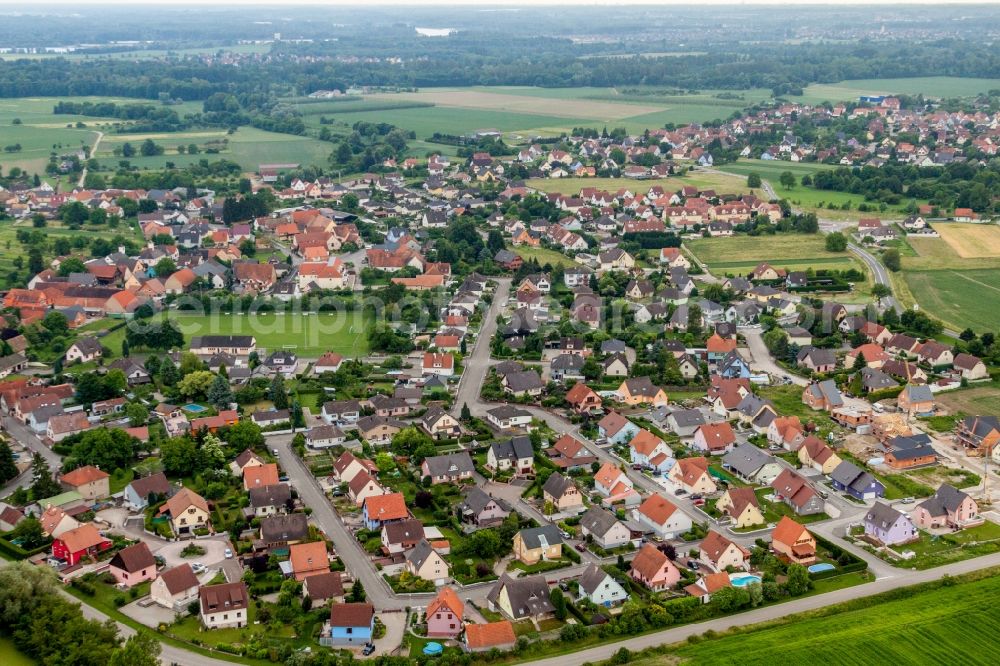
point(435, 32)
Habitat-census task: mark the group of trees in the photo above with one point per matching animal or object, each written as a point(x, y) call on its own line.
point(369, 145)
point(51, 629)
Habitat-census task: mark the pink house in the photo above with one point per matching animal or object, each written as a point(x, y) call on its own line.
point(948, 507)
point(654, 569)
point(444, 614)
point(133, 565)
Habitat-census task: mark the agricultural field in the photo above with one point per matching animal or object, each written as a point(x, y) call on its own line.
point(248, 146)
point(523, 112)
point(721, 183)
point(308, 335)
point(976, 400)
point(956, 278)
point(949, 624)
point(740, 254)
point(929, 86)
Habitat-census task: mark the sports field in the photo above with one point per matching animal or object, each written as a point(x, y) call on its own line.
point(308, 335)
point(740, 254)
point(948, 625)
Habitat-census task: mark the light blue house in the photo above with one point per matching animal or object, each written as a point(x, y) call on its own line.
point(732, 366)
point(616, 428)
point(139, 492)
point(349, 624)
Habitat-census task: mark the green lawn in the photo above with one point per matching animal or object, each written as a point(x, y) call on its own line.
point(773, 511)
point(9, 655)
point(542, 255)
point(935, 551)
point(307, 335)
point(945, 624)
point(741, 254)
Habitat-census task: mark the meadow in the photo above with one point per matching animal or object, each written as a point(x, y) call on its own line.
point(976, 400)
point(952, 624)
point(806, 197)
point(721, 183)
point(740, 254)
point(308, 335)
point(929, 86)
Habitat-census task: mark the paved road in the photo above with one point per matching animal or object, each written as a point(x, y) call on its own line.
point(29, 439)
point(355, 558)
point(476, 364)
point(880, 272)
point(772, 612)
point(762, 357)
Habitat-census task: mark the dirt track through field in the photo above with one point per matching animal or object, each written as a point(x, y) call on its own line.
point(568, 108)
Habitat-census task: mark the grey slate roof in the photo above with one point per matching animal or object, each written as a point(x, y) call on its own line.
point(686, 418)
point(598, 521)
point(541, 537)
point(557, 484)
point(513, 449)
point(591, 578)
point(289, 527)
point(947, 498)
point(882, 515)
point(746, 459)
point(274, 495)
point(529, 595)
point(476, 500)
point(450, 465)
point(419, 553)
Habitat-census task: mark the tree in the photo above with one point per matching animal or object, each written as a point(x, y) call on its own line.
point(8, 468)
point(798, 582)
point(179, 456)
point(220, 394)
point(836, 242)
point(149, 149)
point(407, 440)
point(967, 335)
point(244, 435)
point(558, 603)
point(776, 341)
point(357, 594)
point(277, 392)
point(165, 267)
point(787, 180)
point(29, 533)
point(36, 264)
point(880, 291)
point(891, 260)
point(466, 414)
point(128, 150)
point(859, 362)
point(141, 649)
point(753, 180)
point(196, 384)
point(42, 483)
point(70, 265)
point(137, 414)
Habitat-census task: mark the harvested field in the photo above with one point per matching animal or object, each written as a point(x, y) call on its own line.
point(971, 240)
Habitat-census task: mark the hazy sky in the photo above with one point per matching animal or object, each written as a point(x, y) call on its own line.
point(27, 6)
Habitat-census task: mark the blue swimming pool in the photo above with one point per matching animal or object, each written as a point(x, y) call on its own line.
point(742, 580)
point(822, 566)
point(194, 408)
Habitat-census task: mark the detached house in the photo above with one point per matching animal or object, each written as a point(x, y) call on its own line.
point(714, 438)
point(662, 517)
point(641, 391)
point(691, 474)
point(515, 454)
point(652, 569)
point(948, 507)
point(562, 493)
point(887, 526)
point(604, 528)
point(796, 492)
point(600, 587)
point(793, 542)
point(444, 615)
point(450, 468)
point(92, 483)
point(538, 543)
point(175, 588)
point(133, 565)
point(521, 598)
point(720, 553)
point(742, 507)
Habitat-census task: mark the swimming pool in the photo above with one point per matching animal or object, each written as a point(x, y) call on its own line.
point(194, 408)
point(822, 566)
point(742, 580)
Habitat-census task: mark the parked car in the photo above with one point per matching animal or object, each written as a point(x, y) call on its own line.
point(908, 500)
point(582, 547)
point(368, 649)
point(198, 567)
point(637, 467)
point(693, 564)
point(680, 492)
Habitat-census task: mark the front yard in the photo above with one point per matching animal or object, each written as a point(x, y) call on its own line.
point(773, 511)
point(936, 550)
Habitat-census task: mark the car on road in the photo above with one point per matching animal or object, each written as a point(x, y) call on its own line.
point(680, 492)
point(637, 467)
point(228, 554)
point(275, 451)
point(565, 535)
point(582, 547)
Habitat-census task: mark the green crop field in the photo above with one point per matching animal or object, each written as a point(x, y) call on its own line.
point(740, 254)
point(947, 625)
point(308, 335)
point(959, 298)
point(929, 86)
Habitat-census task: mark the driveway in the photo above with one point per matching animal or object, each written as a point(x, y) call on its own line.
point(762, 357)
point(214, 556)
point(148, 613)
point(395, 626)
